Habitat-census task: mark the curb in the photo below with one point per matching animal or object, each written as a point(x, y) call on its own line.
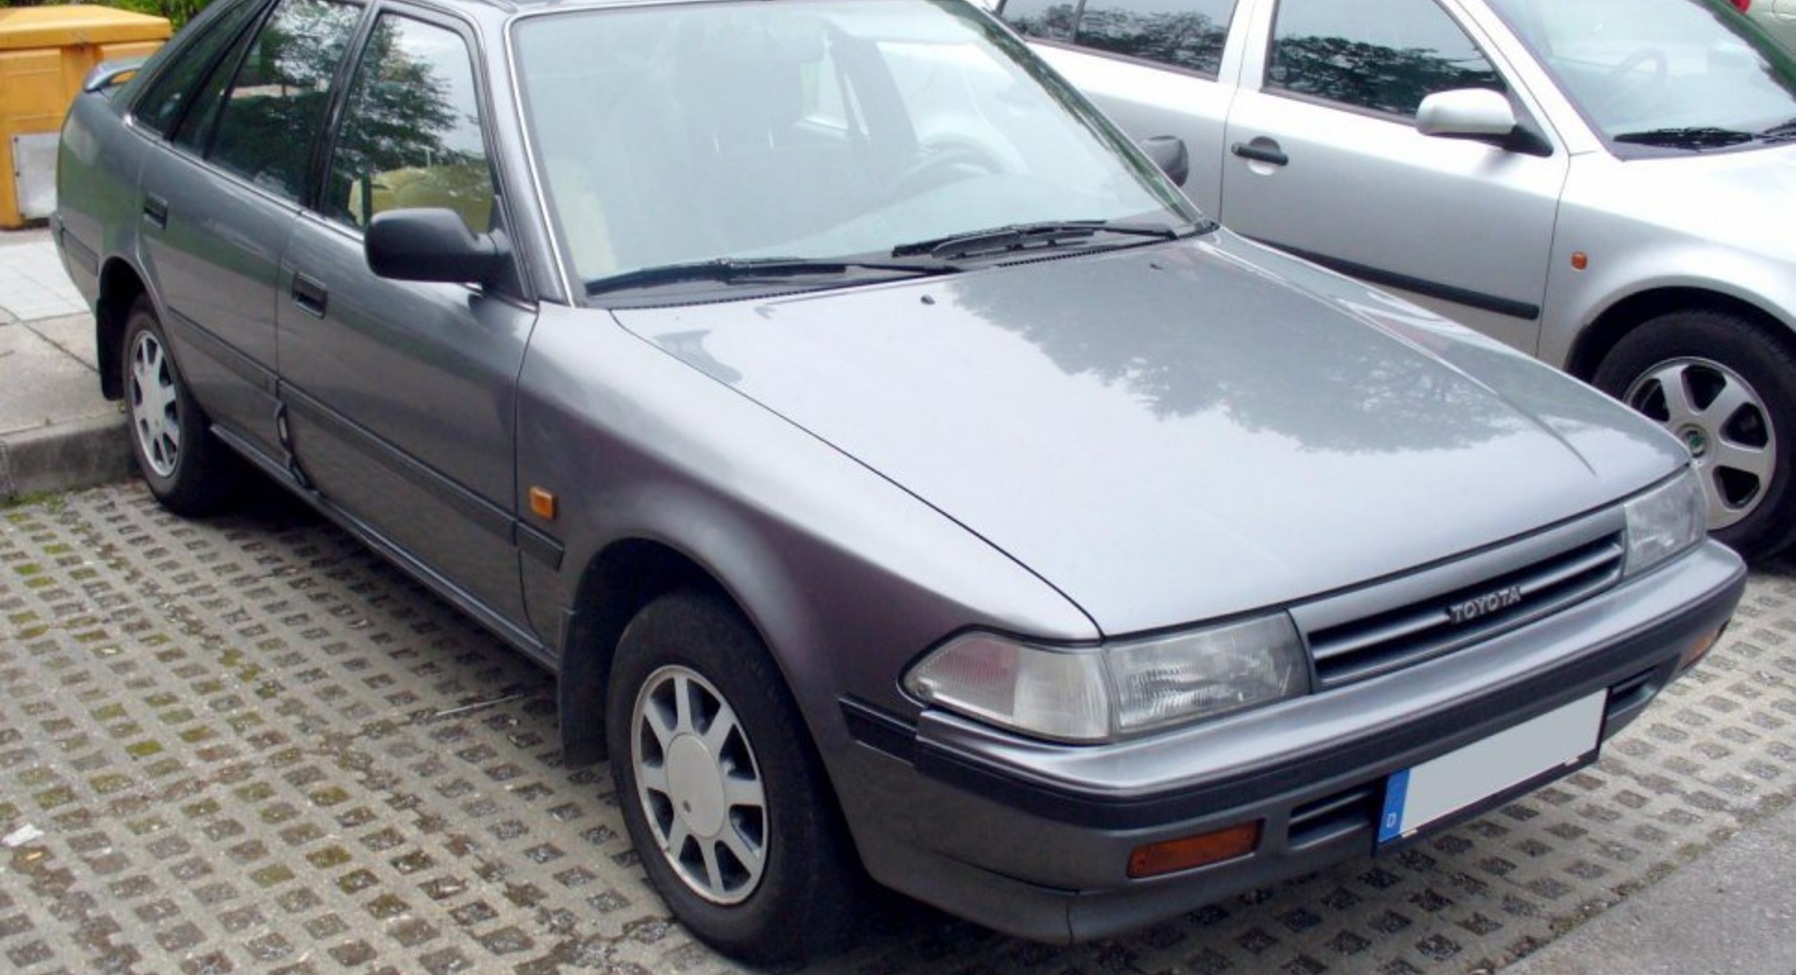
point(69, 455)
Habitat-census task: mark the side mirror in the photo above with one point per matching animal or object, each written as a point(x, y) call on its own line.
point(1168, 152)
point(1481, 115)
point(432, 244)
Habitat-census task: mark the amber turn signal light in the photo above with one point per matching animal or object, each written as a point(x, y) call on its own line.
point(1699, 648)
point(1201, 850)
point(542, 504)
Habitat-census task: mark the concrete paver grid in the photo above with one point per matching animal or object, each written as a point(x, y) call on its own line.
point(249, 745)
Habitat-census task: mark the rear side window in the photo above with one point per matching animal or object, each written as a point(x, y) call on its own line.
point(1185, 34)
point(1383, 56)
point(271, 114)
point(169, 94)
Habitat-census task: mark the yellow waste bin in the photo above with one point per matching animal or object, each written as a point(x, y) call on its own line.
point(44, 54)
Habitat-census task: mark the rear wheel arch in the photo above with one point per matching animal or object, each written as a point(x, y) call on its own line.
point(120, 287)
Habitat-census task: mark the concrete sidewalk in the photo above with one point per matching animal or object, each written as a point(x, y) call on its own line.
point(56, 432)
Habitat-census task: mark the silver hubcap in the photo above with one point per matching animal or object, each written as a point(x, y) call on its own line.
point(155, 409)
point(1724, 423)
point(699, 785)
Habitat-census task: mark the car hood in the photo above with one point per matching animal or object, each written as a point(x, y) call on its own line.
point(1174, 433)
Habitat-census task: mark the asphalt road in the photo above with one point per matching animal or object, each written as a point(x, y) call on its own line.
point(249, 745)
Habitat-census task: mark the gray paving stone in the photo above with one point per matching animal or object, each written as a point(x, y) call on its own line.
point(248, 744)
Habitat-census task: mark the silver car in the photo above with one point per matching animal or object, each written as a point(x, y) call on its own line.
point(1605, 184)
point(902, 477)
point(1778, 17)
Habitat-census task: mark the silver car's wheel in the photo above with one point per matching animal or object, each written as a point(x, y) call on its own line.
point(155, 404)
point(720, 785)
point(1723, 421)
point(699, 785)
point(1725, 386)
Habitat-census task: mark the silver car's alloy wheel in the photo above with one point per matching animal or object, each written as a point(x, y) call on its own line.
point(1724, 423)
point(699, 785)
point(155, 405)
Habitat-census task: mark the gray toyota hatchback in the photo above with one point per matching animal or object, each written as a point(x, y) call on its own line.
point(902, 478)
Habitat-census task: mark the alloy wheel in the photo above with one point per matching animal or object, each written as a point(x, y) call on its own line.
point(155, 405)
point(699, 785)
point(1723, 422)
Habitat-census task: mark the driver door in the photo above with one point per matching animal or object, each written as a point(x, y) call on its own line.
point(1323, 158)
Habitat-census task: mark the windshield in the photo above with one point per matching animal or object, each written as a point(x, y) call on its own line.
point(820, 130)
point(1664, 75)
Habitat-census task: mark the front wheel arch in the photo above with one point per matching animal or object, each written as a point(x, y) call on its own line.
point(1599, 338)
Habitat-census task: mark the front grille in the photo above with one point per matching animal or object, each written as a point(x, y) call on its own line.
point(1424, 627)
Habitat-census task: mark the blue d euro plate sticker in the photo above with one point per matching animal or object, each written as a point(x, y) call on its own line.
point(1560, 739)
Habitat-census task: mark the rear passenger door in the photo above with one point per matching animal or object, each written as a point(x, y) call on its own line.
point(1325, 160)
point(402, 396)
point(235, 129)
point(1156, 67)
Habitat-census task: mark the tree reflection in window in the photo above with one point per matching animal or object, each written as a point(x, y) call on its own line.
point(1049, 19)
point(1187, 34)
point(1383, 55)
point(411, 132)
point(276, 102)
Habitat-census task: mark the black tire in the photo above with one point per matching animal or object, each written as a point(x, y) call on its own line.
point(798, 898)
point(1677, 369)
point(188, 470)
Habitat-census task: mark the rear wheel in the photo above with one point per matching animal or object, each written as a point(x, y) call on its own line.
point(1727, 389)
point(186, 467)
point(721, 792)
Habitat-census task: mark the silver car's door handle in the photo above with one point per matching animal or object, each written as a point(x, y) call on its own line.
point(310, 295)
point(1261, 149)
point(155, 210)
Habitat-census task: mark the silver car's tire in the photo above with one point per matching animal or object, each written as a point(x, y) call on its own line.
point(721, 791)
point(186, 467)
point(1727, 389)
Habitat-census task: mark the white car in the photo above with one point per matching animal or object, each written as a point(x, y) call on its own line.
point(1606, 184)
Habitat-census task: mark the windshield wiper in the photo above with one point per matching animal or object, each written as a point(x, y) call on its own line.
point(1695, 139)
point(1782, 132)
point(1023, 236)
point(737, 270)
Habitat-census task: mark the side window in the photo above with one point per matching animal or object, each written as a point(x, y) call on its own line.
point(162, 106)
point(275, 105)
point(1048, 19)
point(1379, 55)
point(411, 129)
point(1187, 34)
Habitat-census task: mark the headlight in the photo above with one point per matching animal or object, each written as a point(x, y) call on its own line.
point(1665, 521)
point(1117, 690)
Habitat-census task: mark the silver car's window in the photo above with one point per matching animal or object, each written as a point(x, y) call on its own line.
point(1661, 75)
point(690, 132)
point(275, 105)
point(172, 88)
point(1186, 34)
point(1382, 56)
point(1049, 19)
point(411, 129)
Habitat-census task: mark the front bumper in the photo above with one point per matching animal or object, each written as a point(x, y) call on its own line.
point(1034, 839)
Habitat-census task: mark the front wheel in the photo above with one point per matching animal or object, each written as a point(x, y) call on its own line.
point(1727, 389)
point(721, 792)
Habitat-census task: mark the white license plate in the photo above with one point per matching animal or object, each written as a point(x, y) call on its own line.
point(1561, 739)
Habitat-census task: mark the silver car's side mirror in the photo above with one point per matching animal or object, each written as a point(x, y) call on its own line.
point(1476, 113)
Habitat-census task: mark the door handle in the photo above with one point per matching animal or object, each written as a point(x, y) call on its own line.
point(310, 295)
point(155, 210)
point(1261, 149)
